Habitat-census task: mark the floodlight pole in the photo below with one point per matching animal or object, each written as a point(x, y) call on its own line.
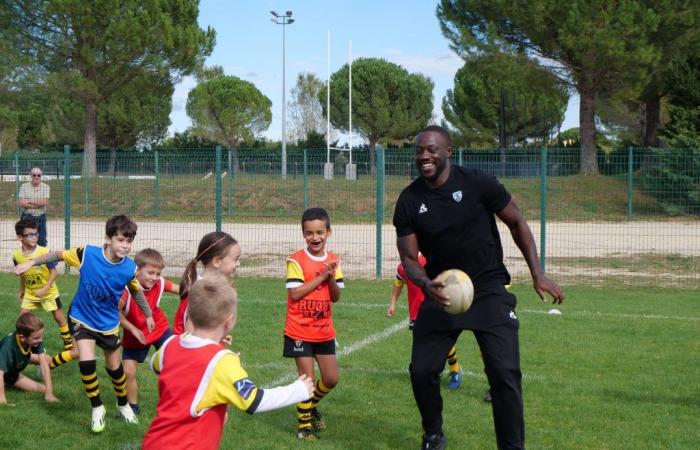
point(283, 19)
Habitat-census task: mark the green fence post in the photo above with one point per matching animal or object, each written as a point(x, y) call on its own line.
point(629, 183)
point(66, 200)
point(459, 153)
point(543, 208)
point(306, 180)
point(156, 167)
point(229, 186)
point(17, 181)
point(84, 179)
point(218, 187)
point(380, 209)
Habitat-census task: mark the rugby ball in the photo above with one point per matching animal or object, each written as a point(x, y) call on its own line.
point(458, 288)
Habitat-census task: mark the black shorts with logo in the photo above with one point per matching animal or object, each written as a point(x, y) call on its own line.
point(294, 348)
point(104, 341)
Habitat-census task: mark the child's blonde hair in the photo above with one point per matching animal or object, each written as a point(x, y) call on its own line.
point(212, 299)
point(151, 257)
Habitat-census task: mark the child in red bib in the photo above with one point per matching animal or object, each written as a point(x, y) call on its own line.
point(137, 340)
point(199, 377)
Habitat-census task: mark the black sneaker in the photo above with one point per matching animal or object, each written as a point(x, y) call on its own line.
point(434, 441)
point(307, 434)
point(317, 422)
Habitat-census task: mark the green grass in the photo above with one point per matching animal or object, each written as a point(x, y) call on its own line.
point(270, 199)
point(617, 370)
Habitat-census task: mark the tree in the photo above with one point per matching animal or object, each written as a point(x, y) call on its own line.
point(388, 102)
point(138, 116)
point(497, 95)
point(228, 110)
point(683, 129)
point(595, 46)
point(305, 110)
point(105, 45)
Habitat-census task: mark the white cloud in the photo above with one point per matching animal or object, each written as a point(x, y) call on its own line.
point(429, 64)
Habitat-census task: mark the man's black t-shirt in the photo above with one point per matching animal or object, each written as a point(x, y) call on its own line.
point(455, 225)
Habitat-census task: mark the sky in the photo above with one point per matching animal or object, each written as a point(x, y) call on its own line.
point(249, 46)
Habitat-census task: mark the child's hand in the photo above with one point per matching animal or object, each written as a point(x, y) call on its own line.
point(138, 334)
point(308, 384)
point(227, 340)
point(150, 323)
point(49, 397)
point(390, 310)
point(21, 268)
point(40, 293)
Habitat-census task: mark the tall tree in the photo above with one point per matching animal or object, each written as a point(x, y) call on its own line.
point(138, 116)
point(228, 110)
point(305, 110)
point(595, 46)
point(496, 96)
point(107, 44)
point(388, 102)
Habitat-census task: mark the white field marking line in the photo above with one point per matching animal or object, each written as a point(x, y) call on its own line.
point(355, 346)
point(615, 315)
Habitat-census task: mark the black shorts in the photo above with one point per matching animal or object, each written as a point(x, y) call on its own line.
point(10, 379)
point(294, 348)
point(104, 341)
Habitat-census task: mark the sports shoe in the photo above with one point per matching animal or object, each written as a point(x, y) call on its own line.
point(434, 441)
point(97, 424)
point(307, 434)
point(487, 396)
point(128, 414)
point(317, 422)
point(135, 407)
point(455, 379)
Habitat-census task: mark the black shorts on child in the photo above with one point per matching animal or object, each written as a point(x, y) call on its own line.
point(104, 341)
point(294, 348)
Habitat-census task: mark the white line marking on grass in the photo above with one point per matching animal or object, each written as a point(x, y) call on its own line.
point(353, 347)
point(617, 315)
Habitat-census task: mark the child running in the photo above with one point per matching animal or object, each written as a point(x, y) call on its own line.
point(37, 287)
point(314, 280)
point(199, 377)
point(19, 349)
point(94, 313)
point(218, 252)
point(137, 340)
point(415, 298)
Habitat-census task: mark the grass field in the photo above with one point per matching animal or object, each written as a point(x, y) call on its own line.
point(617, 370)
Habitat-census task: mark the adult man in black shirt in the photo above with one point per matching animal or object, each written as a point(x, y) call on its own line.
point(448, 214)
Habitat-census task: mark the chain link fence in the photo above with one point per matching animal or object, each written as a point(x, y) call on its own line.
point(637, 222)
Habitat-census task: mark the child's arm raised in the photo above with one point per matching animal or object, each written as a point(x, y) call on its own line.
point(333, 287)
point(299, 292)
point(51, 257)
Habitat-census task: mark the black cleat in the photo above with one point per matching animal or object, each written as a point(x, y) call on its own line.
point(434, 441)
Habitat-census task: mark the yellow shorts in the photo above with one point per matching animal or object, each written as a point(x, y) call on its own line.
point(46, 305)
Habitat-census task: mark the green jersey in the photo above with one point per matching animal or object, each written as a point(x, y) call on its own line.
point(14, 357)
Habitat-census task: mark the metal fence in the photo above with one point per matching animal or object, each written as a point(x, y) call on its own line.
point(637, 222)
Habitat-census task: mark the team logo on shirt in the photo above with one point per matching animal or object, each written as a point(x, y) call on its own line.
point(422, 208)
point(244, 387)
point(457, 196)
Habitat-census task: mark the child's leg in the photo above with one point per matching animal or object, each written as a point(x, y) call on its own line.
point(63, 357)
point(452, 359)
point(63, 328)
point(27, 384)
point(305, 365)
point(328, 366)
point(113, 363)
point(88, 370)
point(130, 368)
point(454, 380)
